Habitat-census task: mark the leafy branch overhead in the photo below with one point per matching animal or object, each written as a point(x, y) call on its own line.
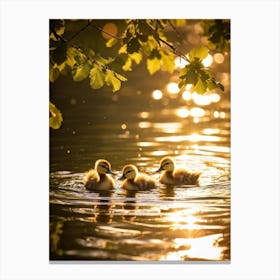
point(137, 41)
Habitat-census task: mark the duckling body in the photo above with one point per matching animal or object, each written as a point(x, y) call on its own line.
point(97, 178)
point(135, 181)
point(180, 176)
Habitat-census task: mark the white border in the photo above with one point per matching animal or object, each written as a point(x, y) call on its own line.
point(24, 138)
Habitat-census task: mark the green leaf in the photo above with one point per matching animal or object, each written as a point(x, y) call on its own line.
point(97, 78)
point(191, 76)
point(200, 51)
point(211, 84)
point(117, 63)
point(54, 73)
point(183, 72)
point(112, 80)
point(59, 54)
point(153, 65)
point(133, 45)
point(201, 86)
point(168, 61)
point(80, 72)
point(110, 43)
point(56, 117)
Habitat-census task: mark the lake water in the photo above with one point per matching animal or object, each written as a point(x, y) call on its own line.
point(183, 223)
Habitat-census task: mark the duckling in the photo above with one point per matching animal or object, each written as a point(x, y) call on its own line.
point(180, 176)
point(135, 181)
point(97, 179)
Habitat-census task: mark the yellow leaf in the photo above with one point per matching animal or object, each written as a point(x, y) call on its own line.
point(110, 43)
point(127, 65)
point(153, 65)
point(96, 78)
point(120, 77)
point(123, 49)
point(54, 73)
point(112, 80)
point(168, 61)
point(56, 117)
point(200, 51)
point(136, 57)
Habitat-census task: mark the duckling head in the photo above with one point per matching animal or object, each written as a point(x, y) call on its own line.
point(167, 164)
point(129, 172)
point(103, 166)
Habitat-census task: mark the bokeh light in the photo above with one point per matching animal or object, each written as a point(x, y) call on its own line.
point(186, 95)
point(180, 62)
point(219, 58)
point(201, 99)
point(173, 88)
point(197, 112)
point(157, 94)
point(182, 112)
point(111, 29)
point(208, 60)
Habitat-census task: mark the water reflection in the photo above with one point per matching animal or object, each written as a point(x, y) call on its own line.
point(102, 207)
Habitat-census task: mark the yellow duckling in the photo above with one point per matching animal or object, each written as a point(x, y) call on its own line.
point(97, 178)
point(135, 181)
point(180, 176)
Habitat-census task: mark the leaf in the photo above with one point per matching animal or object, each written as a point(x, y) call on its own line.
point(80, 72)
point(191, 76)
point(183, 72)
point(179, 22)
point(200, 86)
point(97, 78)
point(133, 45)
point(136, 57)
point(120, 77)
point(59, 54)
point(168, 61)
point(117, 63)
point(127, 65)
point(110, 43)
point(54, 73)
point(211, 84)
point(150, 45)
point(112, 80)
point(153, 65)
point(200, 51)
point(56, 117)
point(123, 49)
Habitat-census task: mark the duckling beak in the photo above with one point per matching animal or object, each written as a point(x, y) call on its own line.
point(160, 169)
point(110, 172)
point(122, 177)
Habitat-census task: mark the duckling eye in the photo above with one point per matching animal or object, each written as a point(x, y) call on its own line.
point(104, 166)
point(128, 171)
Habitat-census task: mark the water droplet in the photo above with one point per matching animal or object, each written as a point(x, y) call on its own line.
point(68, 151)
point(123, 126)
point(73, 132)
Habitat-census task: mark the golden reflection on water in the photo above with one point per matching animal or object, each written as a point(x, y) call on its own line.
point(193, 138)
point(196, 248)
point(192, 247)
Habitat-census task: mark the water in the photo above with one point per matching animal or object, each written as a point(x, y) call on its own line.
point(165, 224)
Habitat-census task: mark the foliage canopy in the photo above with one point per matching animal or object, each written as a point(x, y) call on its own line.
point(137, 41)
